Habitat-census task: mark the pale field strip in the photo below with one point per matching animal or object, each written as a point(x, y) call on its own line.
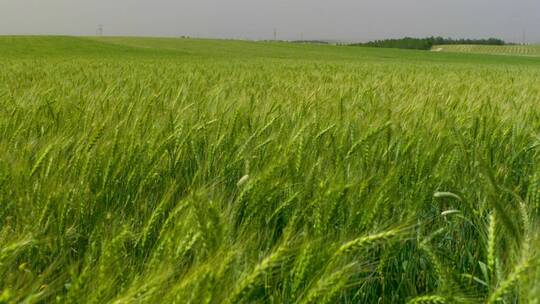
point(517, 50)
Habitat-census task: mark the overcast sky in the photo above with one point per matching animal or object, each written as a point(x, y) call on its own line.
point(350, 20)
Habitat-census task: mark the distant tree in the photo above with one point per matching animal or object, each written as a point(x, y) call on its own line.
point(426, 43)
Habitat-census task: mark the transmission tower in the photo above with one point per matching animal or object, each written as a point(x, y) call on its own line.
point(99, 31)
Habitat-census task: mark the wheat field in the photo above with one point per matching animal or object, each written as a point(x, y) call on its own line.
point(138, 170)
point(515, 50)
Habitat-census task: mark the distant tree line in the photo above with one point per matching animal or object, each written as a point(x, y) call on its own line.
point(426, 43)
point(310, 41)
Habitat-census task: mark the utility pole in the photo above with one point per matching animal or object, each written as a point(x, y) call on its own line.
point(524, 37)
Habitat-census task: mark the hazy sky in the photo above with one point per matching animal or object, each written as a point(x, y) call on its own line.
point(351, 20)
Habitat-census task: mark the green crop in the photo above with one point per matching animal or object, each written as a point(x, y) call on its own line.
point(515, 50)
point(139, 170)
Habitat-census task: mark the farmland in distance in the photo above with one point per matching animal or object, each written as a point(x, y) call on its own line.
point(514, 50)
